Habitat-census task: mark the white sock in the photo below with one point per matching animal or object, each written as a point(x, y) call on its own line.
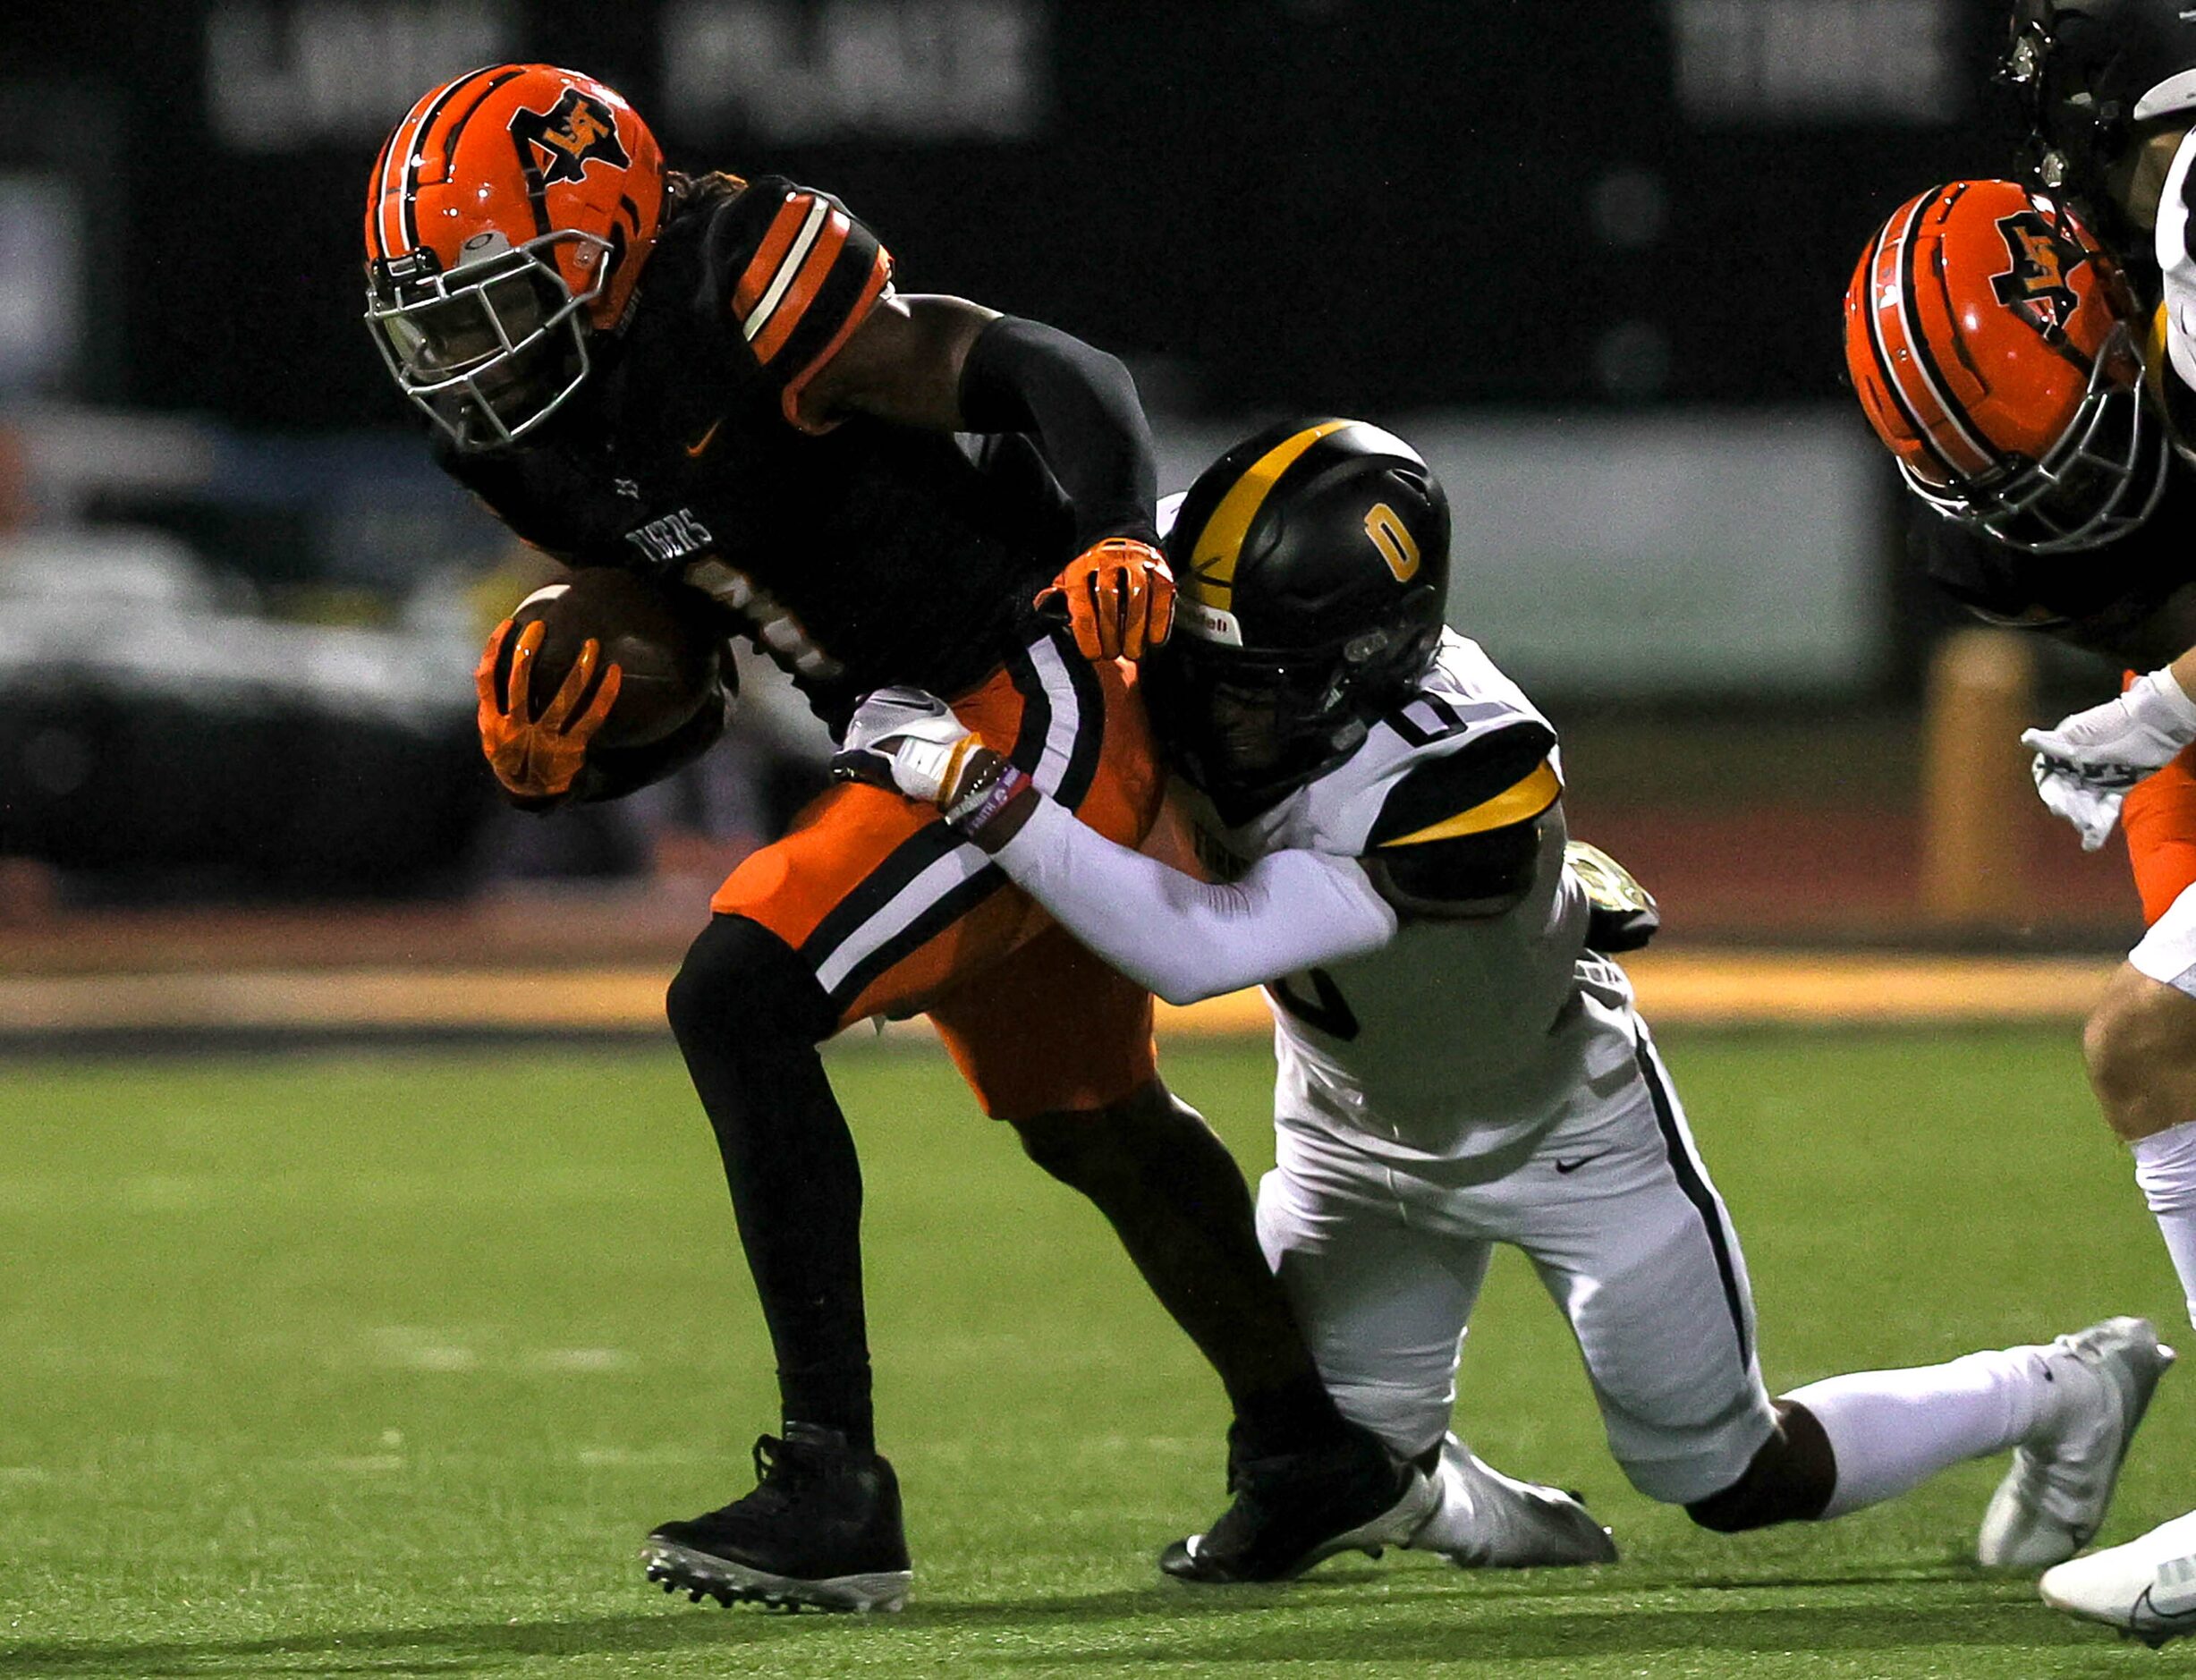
point(2166, 1168)
point(1894, 1430)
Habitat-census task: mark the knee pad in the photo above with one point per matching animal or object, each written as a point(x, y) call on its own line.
point(1791, 1480)
point(741, 979)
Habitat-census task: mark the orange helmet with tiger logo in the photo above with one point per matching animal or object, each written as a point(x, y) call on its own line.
point(507, 217)
point(1991, 341)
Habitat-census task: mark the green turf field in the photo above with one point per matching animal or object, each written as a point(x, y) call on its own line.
point(383, 1365)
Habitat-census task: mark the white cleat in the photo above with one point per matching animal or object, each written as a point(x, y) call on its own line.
point(1485, 1519)
point(2054, 1497)
point(2146, 1589)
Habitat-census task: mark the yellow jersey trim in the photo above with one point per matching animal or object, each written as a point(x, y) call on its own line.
point(1211, 581)
point(1519, 802)
point(2154, 352)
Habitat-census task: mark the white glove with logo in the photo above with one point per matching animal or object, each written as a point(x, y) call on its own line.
point(909, 741)
point(2086, 763)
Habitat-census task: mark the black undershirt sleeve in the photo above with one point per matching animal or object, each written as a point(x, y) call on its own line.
point(1022, 376)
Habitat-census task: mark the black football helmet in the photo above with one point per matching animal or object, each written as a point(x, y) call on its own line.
point(1312, 563)
point(2090, 73)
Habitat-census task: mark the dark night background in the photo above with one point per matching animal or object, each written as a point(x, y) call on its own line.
point(1366, 205)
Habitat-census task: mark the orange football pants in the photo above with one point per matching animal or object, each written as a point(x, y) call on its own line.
point(897, 916)
point(2158, 818)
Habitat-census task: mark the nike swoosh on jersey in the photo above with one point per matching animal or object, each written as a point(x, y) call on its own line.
point(694, 449)
point(1567, 1168)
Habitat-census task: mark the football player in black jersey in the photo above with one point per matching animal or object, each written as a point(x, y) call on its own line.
point(2034, 376)
point(713, 381)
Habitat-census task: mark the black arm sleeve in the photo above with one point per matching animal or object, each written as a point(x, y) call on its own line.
point(1023, 376)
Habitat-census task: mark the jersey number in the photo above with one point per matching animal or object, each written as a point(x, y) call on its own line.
point(1327, 1010)
point(1448, 720)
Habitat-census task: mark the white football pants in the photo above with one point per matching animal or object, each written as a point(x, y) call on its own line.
point(1628, 1234)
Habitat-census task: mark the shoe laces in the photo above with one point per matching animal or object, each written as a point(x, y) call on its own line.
point(780, 1473)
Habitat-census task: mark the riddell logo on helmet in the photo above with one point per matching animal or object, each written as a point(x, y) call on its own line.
point(2035, 287)
point(579, 131)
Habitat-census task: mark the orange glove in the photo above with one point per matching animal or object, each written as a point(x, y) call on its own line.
point(1118, 596)
point(539, 757)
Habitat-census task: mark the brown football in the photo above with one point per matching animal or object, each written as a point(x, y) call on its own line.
point(660, 636)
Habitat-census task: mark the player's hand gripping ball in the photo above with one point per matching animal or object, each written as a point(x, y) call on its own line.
point(1118, 596)
point(606, 660)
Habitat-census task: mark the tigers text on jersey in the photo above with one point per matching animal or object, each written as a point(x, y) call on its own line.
point(858, 555)
point(1449, 1051)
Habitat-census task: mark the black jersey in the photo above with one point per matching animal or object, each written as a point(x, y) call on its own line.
point(855, 555)
point(2101, 597)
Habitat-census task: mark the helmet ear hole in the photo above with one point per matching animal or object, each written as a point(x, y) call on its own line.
point(1361, 649)
point(613, 265)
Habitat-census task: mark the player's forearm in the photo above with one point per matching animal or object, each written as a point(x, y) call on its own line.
point(1022, 376)
point(1188, 940)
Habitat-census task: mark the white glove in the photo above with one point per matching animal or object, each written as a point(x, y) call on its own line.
point(2092, 807)
point(2085, 764)
point(908, 741)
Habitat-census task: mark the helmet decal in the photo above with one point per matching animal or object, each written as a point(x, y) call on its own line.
point(1208, 624)
point(2036, 288)
point(580, 130)
point(1395, 541)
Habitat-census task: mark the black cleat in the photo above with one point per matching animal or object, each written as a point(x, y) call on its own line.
point(821, 1530)
point(1293, 1510)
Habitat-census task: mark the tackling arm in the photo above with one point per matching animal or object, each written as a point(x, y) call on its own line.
point(1182, 937)
point(1187, 939)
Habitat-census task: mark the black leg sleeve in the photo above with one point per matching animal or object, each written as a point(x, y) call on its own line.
point(748, 1016)
point(1791, 1480)
point(1178, 1202)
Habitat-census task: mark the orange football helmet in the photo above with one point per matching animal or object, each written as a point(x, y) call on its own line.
point(507, 217)
point(1990, 338)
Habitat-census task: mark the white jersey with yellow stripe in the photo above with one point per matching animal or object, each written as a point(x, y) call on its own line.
point(2171, 361)
point(1462, 1039)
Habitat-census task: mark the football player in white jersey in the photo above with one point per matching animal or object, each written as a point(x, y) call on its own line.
point(1459, 1065)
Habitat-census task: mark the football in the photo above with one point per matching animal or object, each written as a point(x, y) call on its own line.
point(661, 637)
